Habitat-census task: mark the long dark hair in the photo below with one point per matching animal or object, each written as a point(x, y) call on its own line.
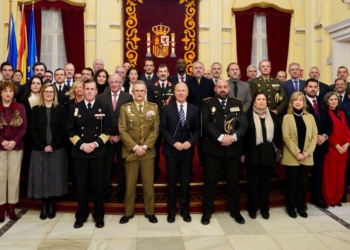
point(28, 91)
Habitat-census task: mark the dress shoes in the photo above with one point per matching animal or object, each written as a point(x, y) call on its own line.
point(252, 215)
point(332, 205)
point(265, 215)
point(171, 217)
point(205, 219)
point(186, 216)
point(339, 204)
point(292, 214)
point(319, 203)
point(79, 224)
point(43, 212)
point(344, 200)
point(2, 213)
point(238, 217)
point(151, 218)
point(52, 210)
point(100, 224)
point(302, 213)
point(125, 219)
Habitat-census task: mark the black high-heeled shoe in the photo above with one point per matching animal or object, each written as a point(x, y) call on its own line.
point(43, 212)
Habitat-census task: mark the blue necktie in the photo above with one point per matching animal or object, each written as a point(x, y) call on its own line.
point(182, 116)
point(223, 104)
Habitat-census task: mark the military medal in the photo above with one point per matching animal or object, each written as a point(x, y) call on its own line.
point(76, 110)
point(213, 109)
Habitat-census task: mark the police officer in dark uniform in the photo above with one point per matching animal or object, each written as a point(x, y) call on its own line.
point(222, 148)
point(276, 96)
point(88, 128)
point(161, 93)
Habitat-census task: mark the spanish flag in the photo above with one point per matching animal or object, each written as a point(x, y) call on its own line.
point(23, 48)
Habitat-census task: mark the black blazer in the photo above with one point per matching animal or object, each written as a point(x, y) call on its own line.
point(152, 80)
point(174, 78)
point(198, 92)
point(289, 87)
point(323, 90)
point(106, 97)
point(172, 131)
point(38, 125)
point(84, 126)
point(213, 117)
point(159, 95)
point(249, 139)
point(62, 96)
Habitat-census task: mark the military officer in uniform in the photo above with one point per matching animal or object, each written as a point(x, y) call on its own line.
point(161, 93)
point(88, 128)
point(222, 148)
point(276, 96)
point(138, 129)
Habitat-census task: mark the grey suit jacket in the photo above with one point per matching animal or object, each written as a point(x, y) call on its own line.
point(106, 97)
point(243, 93)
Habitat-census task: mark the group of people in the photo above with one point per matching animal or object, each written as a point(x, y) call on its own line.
point(66, 124)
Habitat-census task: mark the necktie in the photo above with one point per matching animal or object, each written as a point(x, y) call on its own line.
point(182, 116)
point(114, 101)
point(341, 98)
point(68, 83)
point(296, 85)
point(223, 104)
point(267, 81)
point(140, 108)
point(60, 89)
point(162, 85)
point(182, 79)
point(215, 81)
point(199, 81)
point(89, 105)
point(235, 89)
point(148, 77)
point(315, 108)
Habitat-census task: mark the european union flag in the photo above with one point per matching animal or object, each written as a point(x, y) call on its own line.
point(12, 53)
point(32, 54)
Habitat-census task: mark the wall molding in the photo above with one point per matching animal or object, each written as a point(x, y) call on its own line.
point(90, 39)
point(339, 29)
point(6, 23)
point(91, 25)
point(203, 27)
point(318, 25)
point(299, 30)
point(114, 25)
point(226, 28)
point(320, 40)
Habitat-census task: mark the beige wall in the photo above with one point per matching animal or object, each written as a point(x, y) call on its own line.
point(217, 38)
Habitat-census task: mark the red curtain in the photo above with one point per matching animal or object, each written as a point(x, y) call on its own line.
point(244, 34)
point(277, 29)
point(73, 30)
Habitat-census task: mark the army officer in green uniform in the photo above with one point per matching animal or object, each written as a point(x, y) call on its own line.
point(272, 87)
point(138, 129)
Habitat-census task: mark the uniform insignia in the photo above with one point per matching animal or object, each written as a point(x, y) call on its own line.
point(235, 109)
point(76, 110)
point(258, 85)
point(99, 110)
point(74, 139)
point(213, 109)
point(104, 138)
point(156, 91)
point(170, 91)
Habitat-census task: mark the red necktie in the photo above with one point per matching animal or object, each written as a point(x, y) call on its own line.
point(114, 101)
point(316, 108)
point(182, 78)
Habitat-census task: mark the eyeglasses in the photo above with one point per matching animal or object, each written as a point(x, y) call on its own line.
point(49, 92)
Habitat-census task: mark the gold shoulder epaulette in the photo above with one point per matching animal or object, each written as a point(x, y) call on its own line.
point(207, 98)
point(127, 104)
point(104, 138)
point(236, 98)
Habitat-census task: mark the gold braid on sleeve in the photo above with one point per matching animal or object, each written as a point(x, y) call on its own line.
point(74, 139)
point(104, 138)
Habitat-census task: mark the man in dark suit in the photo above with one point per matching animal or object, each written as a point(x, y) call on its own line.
point(114, 98)
point(342, 73)
point(181, 75)
point(161, 93)
point(62, 89)
point(216, 70)
point(322, 87)
point(252, 72)
point(317, 108)
point(88, 128)
point(180, 128)
point(149, 76)
point(222, 148)
point(294, 84)
point(238, 88)
point(282, 76)
point(340, 89)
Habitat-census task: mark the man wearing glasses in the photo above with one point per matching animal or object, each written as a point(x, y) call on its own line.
point(138, 129)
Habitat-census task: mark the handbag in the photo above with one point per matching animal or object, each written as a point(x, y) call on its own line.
point(277, 153)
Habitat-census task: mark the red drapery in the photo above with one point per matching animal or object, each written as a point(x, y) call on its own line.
point(277, 29)
point(163, 34)
point(73, 29)
point(244, 34)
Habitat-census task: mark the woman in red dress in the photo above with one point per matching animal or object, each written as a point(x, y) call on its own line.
point(334, 166)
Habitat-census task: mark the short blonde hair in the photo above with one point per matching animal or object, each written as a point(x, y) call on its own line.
point(41, 98)
point(295, 96)
point(74, 86)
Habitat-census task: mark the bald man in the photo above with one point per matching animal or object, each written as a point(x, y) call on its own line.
point(180, 129)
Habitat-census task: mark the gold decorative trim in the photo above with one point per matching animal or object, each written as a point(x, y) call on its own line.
point(131, 32)
point(104, 137)
point(262, 5)
point(74, 139)
point(190, 34)
point(114, 25)
point(91, 25)
point(6, 24)
point(30, 2)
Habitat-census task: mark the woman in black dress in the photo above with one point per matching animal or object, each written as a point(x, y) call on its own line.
point(48, 163)
point(264, 131)
point(101, 78)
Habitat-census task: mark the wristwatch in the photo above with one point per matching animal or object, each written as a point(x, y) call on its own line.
point(326, 136)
